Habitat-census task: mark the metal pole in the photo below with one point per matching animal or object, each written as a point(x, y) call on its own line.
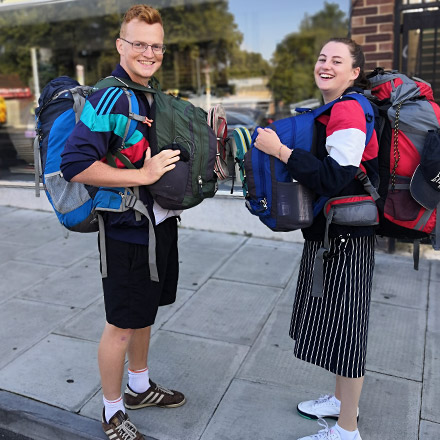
point(208, 88)
point(35, 74)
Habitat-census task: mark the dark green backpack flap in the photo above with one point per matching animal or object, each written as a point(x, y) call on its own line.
point(177, 121)
point(113, 81)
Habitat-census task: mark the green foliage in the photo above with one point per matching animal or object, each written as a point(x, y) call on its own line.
point(292, 79)
point(293, 63)
point(245, 64)
point(198, 34)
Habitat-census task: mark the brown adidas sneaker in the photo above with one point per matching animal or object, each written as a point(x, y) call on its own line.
point(120, 428)
point(156, 395)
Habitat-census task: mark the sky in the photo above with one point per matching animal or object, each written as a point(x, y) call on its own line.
point(264, 23)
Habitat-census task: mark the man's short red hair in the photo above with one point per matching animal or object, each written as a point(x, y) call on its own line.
point(144, 13)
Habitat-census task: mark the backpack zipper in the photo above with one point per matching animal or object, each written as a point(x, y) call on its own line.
point(263, 201)
point(202, 159)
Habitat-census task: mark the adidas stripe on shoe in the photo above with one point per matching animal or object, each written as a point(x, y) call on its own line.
point(325, 407)
point(120, 428)
point(156, 395)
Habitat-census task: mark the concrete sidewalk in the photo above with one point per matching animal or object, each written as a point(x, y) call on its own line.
point(224, 343)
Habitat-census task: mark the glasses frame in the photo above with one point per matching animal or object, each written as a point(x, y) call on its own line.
point(146, 46)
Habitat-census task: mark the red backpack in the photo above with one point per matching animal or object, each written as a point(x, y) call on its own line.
point(406, 113)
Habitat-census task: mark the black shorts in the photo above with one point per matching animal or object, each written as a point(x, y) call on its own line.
point(131, 298)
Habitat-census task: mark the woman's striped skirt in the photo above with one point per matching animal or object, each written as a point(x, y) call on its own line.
point(331, 331)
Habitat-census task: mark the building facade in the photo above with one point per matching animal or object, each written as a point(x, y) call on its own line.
point(400, 34)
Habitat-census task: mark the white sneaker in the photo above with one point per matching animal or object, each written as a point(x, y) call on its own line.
point(325, 406)
point(327, 433)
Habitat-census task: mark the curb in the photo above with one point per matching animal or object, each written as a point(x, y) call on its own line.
point(40, 421)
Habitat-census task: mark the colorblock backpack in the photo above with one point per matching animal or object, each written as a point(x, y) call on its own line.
point(179, 125)
point(76, 205)
point(280, 203)
point(406, 113)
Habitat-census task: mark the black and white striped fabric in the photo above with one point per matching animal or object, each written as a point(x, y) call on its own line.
point(331, 331)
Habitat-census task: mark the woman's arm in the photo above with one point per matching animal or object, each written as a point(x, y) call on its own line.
point(344, 143)
point(269, 142)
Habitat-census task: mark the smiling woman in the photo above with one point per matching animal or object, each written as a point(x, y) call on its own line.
point(330, 314)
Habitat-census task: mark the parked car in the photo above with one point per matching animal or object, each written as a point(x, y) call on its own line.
point(307, 103)
point(244, 117)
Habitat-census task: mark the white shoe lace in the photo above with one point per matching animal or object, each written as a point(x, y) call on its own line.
point(164, 390)
point(326, 433)
point(126, 430)
point(325, 398)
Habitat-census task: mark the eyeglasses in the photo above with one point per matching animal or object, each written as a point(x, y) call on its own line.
point(142, 47)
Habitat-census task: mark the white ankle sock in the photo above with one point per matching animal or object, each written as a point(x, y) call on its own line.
point(112, 407)
point(346, 435)
point(139, 380)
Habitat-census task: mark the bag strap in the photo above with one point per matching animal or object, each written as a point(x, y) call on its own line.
point(321, 255)
point(436, 238)
point(369, 118)
point(37, 165)
point(368, 111)
point(114, 81)
point(134, 201)
point(130, 200)
point(368, 186)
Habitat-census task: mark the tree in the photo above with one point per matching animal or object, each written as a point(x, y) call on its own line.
point(294, 58)
point(198, 34)
point(245, 64)
point(293, 62)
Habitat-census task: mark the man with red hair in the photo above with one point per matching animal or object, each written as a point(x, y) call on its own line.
point(131, 298)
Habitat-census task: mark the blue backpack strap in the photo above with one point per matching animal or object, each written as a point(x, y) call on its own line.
point(304, 132)
point(369, 117)
point(368, 110)
point(132, 121)
point(133, 107)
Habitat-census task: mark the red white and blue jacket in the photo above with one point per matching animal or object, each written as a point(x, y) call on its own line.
point(341, 150)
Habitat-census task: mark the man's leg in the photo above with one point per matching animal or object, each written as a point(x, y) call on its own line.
point(141, 391)
point(138, 374)
point(111, 358)
point(138, 349)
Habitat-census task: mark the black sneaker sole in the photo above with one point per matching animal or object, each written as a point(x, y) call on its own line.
point(313, 417)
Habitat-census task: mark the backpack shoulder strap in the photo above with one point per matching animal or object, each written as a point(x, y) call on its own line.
point(114, 81)
point(368, 111)
point(369, 117)
point(133, 105)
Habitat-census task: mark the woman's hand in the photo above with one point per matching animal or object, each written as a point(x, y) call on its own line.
point(269, 142)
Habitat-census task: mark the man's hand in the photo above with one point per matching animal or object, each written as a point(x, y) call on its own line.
point(155, 167)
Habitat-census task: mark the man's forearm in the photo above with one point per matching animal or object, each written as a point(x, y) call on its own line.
point(101, 174)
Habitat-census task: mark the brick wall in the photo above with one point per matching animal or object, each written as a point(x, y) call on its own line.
point(372, 26)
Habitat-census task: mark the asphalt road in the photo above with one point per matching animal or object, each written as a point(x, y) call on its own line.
point(7, 435)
